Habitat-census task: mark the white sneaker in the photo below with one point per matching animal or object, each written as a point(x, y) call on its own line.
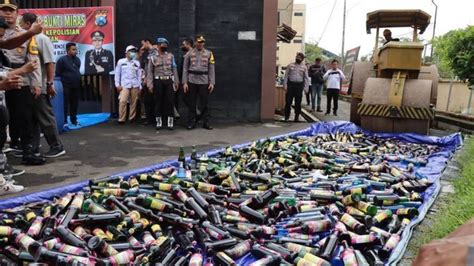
point(159, 124)
point(9, 188)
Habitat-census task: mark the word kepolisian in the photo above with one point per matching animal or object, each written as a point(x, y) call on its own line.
point(337, 199)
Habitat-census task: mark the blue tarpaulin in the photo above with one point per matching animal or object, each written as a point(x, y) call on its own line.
point(87, 120)
point(433, 170)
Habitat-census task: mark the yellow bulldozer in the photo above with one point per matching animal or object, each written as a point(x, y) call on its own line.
point(395, 92)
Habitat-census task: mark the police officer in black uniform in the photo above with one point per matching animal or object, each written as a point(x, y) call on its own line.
point(98, 60)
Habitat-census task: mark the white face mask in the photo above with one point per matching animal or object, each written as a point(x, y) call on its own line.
point(133, 55)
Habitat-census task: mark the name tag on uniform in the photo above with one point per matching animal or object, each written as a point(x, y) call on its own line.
point(104, 59)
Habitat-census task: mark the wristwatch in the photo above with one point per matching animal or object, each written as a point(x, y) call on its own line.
point(49, 83)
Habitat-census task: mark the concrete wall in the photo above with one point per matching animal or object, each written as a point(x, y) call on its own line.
point(285, 11)
point(238, 92)
point(459, 99)
point(286, 52)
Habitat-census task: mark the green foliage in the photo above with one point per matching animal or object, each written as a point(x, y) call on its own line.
point(455, 52)
point(312, 51)
point(458, 208)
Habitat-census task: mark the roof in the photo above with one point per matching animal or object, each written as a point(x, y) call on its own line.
point(389, 18)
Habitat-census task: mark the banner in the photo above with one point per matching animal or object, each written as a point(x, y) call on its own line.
point(351, 56)
point(91, 28)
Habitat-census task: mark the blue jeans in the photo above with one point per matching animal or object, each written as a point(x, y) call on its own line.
point(316, 89)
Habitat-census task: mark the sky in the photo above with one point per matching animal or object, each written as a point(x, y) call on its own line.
point(452, 14)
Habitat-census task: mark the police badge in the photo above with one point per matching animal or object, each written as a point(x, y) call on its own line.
point(101, 18)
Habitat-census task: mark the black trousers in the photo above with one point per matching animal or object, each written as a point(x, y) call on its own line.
point(295, 91)
point(3, 125)
point(149, 102)
point(44, 121)
point(201, 92)
point(71, 102)
point(332, 94)
point(163, 96)
point(20, 108)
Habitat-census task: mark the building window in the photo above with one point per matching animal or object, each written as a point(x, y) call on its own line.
point(279, 19)
point(298, 41)
point(298, 14)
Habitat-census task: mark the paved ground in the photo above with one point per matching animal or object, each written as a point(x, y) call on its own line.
point(110, 148)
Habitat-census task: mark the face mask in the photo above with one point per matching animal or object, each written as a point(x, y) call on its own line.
point(163, 49)
point(298, 60)
point(133, 55)
point(184, 49)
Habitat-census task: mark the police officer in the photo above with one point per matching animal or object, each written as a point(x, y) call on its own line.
point(198, 81)
point(296, 80)
point(98, 60)
point(20, 102)
point(163, 81)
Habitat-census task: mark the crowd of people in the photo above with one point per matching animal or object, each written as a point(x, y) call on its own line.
point(149, 75)
point(27, 68)
point(153, 76)
point(300, 77)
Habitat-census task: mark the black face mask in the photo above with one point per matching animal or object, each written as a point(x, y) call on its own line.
point(184, 49)
point(298, 61)
point(163, 49)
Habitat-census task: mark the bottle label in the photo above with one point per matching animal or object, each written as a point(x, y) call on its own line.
point(51, 243)
point(349, 258)
point(109, 250)
point(382, 216)
point(148, 239)
point(196, 260)
point(214, 234)
point(156, 228)
point(362, 239)
point(354, 211)
point(349, 221)
point(318, 226)
point(47, 211)
point(124, 257)
point(24, 241)
point(392, 242)
point(240, 249)
point(165, 187)
point(314, 259)
point(5, 230)
point(70, 249)
point(157, 205)
point(206, 187)
point(35, 228)
point(133, 241)
point(30, 216)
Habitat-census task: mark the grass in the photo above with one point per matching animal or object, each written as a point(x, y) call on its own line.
point(458, 207)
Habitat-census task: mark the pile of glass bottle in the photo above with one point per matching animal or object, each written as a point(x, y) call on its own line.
point(337, 199)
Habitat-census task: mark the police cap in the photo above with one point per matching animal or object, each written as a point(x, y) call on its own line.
point(9, 3)
point(97, 35)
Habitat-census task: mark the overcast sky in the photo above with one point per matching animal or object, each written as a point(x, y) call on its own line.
point(452, 14)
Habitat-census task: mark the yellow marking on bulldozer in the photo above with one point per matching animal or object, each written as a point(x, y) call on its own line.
point(395, 95)
point(383, 110)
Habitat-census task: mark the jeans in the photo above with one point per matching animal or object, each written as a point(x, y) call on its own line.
point(316, 90)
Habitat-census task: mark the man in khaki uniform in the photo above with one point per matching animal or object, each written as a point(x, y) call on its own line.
point(296, 80)
point(20, 102)
point(199, 80)
point(162, 80)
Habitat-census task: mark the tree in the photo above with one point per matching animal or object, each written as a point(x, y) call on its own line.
point(455, 53)
point(312, 51)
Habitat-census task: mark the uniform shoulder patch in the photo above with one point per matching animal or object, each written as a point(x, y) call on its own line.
point(33, 46)
point(211, 59)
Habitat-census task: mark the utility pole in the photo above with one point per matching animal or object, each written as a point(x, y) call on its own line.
point(343, 34)
point(434, 28)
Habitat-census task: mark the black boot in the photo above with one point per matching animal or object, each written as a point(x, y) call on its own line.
point(206, 125)
point(29, 157)
point(191, 125)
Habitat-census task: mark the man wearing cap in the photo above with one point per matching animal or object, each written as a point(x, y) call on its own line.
point(128, 83)
point(20, 102)
point(98, 60)
point(198, 81)
point(162, 80)
point(296, 80)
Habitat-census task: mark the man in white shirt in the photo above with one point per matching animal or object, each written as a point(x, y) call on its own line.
point(128, 83)
point(333, 77)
